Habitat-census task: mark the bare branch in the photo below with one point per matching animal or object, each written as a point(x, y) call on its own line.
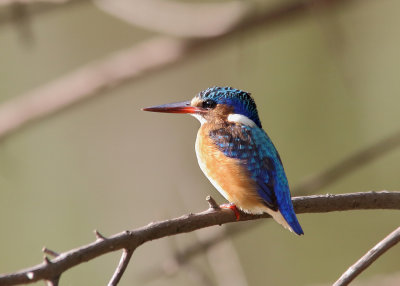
point(309, 186)
point(187, 223)
point(123, 263)
point(150, 56)
point(86, 81)
point(348, 165)
point(372, 255)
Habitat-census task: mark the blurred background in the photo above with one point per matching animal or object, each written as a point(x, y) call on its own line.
point(78, 154)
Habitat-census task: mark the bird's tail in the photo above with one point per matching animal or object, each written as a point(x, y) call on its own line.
point(286, 221)
point(291, 221)
point(286, 210)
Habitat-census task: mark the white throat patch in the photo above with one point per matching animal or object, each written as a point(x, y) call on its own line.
point(199, 118)
point(240, 118)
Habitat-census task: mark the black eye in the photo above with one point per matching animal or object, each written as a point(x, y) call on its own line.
point(209, 104)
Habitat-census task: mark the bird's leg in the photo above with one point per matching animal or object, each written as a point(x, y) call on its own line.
point(233, 207)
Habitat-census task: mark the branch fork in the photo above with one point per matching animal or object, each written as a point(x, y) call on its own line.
point(128, 241)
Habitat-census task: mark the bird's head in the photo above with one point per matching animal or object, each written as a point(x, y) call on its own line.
point(216, 105)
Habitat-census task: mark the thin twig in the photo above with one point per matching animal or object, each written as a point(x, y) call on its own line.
point(50, 252)
point(142, 59)
point(212, 203)
point(372, 255)
point(187, 223)
point(348, 165)
point(123, 263)
point(86, 81)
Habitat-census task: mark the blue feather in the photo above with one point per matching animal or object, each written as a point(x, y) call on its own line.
point(254, 150)
point(240, 100)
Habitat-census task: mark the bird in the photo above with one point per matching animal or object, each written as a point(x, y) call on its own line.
point(237, 155)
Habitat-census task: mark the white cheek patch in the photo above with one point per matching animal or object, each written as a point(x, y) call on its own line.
point(242, 119)
point(199, 118)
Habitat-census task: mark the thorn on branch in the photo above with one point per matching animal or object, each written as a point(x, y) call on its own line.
point(310, 204)
point(50, 252)
point(212, 203)
point(99, 236)
point(46, 260)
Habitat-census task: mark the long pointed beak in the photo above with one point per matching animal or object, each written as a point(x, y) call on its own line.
point(177, 107)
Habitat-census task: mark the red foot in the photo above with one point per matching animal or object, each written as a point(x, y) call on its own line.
point(233, 207)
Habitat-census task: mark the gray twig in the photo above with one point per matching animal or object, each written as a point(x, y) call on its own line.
point(142, 59)
point(348, 165)
point(212, 203)
point(187, 223)
point(372, 255)
point(49, 252)
point(123, 263)
point(309, 186)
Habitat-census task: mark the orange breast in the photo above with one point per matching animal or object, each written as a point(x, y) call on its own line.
point(228, 177)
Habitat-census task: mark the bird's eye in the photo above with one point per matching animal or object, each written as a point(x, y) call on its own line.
point(209, 104)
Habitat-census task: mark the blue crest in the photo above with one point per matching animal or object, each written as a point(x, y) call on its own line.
point(240, 100)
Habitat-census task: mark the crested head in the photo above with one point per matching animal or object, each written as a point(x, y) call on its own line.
point(232, 103)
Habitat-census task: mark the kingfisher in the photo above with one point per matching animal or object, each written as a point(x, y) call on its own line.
point(237, 155)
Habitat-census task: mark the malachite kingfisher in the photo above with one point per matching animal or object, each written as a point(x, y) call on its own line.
point(236, 154)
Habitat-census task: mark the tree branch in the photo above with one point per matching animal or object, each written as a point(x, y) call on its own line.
point(123, 263)
point(311, 185)
point(187, 223)
point(348, 165)
point(372, 255)
point(143, 59)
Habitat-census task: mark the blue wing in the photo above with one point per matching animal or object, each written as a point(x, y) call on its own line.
point(255, 150)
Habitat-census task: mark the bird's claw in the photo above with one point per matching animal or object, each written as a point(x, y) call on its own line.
point(233, 207)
